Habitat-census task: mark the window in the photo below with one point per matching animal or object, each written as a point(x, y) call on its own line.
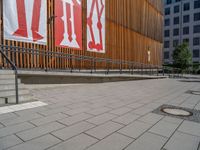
point(197, 29)
point(166, 44)
point(176, 32)
point(186, 18)
point(176, 20)
point(196, 4)
point(167, 11)
point(167, 22)
point(177, 0)
point(167, 33)
point(169, 2)
point(186, 6)
point(197, 16)
point(176, 9)
point(166, 55)
point(186, 30)
point(186, 41)
point(196, 53)
point(196, 41)
point(175, 43)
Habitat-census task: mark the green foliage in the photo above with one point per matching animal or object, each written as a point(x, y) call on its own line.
point(182, 57)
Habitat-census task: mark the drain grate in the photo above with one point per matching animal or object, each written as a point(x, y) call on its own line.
point(179, 112)
point(193, 92)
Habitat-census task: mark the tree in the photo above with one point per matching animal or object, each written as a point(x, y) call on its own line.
point(182, 57)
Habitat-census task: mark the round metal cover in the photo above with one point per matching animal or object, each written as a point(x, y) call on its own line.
point(177, 112)
point(196, 92)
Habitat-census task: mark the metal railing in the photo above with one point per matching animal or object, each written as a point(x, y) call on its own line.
point(13, 66)
point(131, 66)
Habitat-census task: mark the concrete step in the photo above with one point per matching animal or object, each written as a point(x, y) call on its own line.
point(4, 72)
point(22, 98)
point(4, 87)
point(8, 93)
point(7, 76)
point(9, 81)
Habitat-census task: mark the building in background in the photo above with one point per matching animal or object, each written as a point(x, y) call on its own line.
point(181, 24)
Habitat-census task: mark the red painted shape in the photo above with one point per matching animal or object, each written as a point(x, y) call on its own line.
point(36, 21)
point(59, 23)
point(92, 44)
point(22, 26)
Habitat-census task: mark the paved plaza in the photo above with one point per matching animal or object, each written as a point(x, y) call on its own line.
point(108, 116)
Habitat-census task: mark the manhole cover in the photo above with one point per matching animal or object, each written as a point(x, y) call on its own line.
point(196, 92)
point(176, 112)
point(179, 112)
point(193, 92)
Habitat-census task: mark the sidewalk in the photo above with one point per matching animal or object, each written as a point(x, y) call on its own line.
point(108, 116)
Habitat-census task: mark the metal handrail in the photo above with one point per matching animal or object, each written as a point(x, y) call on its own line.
point(93, 60)
point(16, 74)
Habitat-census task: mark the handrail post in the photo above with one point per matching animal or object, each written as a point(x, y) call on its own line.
point(16, 87)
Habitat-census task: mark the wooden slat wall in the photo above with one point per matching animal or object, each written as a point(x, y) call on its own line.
point(132, 26)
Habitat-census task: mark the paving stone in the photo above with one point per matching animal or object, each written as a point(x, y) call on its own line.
point(142, 111)
point(73, 130)
point(135, 105)
point(120, 111)
point(104, 130)
point(9, 141)
point(40, 143)
point(48, 119)
point(99, 111)
point(79, 142)
point(39, 131)
point(113, 142)
point(76, 111)
point(126, 119)
point(151, 118)
point(7, 116)
point(148, 141)
point(101, 118)
point(54, 111)
point(181, 141)
point(172, 120)
point(15, 128)
point(164, 128)
point(190, 128)
point(21, 119)
point(75, 119)
point(135, 129)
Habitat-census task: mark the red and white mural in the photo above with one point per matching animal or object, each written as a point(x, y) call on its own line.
point(96, 26)
point(25, 20)
point(68, 23)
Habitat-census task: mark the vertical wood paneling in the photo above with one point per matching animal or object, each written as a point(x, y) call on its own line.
point(132, 26)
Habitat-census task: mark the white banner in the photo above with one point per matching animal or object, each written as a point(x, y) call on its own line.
point(96, 26)
point(25, 20)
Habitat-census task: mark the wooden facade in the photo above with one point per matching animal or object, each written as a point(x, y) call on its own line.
point(132, 27)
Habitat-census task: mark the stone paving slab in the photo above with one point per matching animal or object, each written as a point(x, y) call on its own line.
point(148, 141)
point(113, 142)
point(104, 130)
point(108, 116)
point(40, 143)
point(79, 142)
point(181, 141)
point(9, 141)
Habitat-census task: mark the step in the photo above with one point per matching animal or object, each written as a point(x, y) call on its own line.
point(6, 72)
point(12, 99)
point(4, 87)
point(22, 98)
point(7, 76)
point(7, 93)
point(9, 81)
